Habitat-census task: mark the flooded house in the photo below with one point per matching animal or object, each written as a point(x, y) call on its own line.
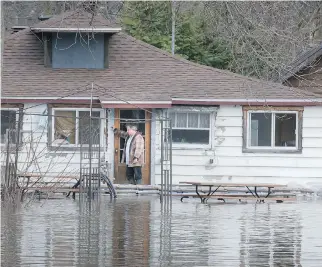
point(225, 126)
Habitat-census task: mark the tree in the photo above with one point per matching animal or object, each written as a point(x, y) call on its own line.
point(151, 23)
point(264, 37)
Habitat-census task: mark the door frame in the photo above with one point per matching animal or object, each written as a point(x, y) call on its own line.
point(146, 173)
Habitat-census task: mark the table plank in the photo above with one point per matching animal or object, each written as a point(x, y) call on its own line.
point(238, 197)
point(233, 184)
point(47, 176)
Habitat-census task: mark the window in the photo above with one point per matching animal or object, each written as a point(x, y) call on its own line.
point(190, 127)
point(72, 127)
point(8, 123)
point(273, 130)
point(78, 50)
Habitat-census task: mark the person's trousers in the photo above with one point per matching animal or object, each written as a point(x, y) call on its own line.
point(134, 174)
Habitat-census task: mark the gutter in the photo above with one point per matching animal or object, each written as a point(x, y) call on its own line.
point(164, 104)
point(250, 102)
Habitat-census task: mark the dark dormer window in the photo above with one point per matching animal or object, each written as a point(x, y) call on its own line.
point(77, 50)
point(76, 39)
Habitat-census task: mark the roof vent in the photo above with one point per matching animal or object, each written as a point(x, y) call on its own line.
point(42, 17)
point(18, 28)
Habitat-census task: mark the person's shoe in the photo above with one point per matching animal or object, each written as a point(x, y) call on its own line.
point(131, 181)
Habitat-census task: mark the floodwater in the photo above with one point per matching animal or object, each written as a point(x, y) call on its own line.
point(132, 231)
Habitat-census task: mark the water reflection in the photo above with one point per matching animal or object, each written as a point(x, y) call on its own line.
point(134, 232)
point(130, 235)
point(11, 235)
point(270, 237)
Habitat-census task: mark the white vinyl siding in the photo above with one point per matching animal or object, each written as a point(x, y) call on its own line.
point(231, 164)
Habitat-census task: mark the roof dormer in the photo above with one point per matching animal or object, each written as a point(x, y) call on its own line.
point(77, 39)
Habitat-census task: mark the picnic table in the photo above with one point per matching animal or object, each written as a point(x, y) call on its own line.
point(30, 180)
point(252, 190)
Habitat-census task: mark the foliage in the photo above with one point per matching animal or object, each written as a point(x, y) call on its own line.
point(151, 23)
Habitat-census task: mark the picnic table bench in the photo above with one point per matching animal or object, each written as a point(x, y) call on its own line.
point(38, 177)
point(251, 193)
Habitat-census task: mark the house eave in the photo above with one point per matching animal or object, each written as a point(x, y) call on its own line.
point(136, 104)
point(49, 100)
point(250, 102)
point(165, 104)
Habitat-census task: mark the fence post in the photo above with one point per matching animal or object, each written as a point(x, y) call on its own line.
point(6, 179)
point(162, 155)
point(18, 130)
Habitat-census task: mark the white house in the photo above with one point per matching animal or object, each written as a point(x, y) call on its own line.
point(225, 126)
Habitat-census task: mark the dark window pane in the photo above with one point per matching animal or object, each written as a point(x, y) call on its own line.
point(8, 121)
point(134, 117)
point(261, 129)
point(78, 50)
point(121, 152)
point(190, 136)
point(84, 127)
point(285, 129)
point(141, 128)
point(132, 114)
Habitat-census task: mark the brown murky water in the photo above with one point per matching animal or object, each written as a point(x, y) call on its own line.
point(132, 231)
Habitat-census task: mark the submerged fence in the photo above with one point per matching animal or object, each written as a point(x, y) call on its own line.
point(38, 144)
point(166, 161)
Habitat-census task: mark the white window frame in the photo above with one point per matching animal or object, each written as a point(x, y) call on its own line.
point(17, 118)
point(187, 145)
point(272, 147)
point(77, 110)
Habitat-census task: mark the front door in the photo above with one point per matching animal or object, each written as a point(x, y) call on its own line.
point(142, 119)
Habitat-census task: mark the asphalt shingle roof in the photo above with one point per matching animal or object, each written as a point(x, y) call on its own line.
point(137, 71)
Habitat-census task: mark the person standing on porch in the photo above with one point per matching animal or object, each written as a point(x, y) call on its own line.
point(133, 153)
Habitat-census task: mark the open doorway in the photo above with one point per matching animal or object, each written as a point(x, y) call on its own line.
point(142, 119)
